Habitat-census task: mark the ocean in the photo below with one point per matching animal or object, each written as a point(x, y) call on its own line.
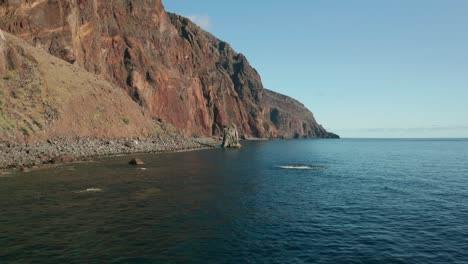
point(292, 201)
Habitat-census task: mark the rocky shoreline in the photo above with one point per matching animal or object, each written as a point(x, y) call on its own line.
point(16, 155)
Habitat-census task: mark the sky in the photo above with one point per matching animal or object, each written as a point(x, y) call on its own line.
point(365, 68)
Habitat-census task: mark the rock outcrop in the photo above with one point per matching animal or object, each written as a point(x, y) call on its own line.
point(231, 137)
point(170, 66)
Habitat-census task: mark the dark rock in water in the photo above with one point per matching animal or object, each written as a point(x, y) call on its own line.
point(136, 161)
point(231, 137)
point(25, 169)
point(62, 159)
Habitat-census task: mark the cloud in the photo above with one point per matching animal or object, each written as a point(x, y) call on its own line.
point(202, 21)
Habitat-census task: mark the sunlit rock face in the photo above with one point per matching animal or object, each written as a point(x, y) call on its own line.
point(167, 64)
point(231, 138)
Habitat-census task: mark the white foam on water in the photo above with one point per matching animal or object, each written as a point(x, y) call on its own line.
point(300, 167)
point(90, 190)
point(5, 174)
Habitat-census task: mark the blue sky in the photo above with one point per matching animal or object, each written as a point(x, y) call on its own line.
point(366, 68)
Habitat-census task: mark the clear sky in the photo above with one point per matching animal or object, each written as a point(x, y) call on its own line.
point(365, 68)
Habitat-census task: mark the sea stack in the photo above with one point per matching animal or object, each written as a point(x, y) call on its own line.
point(231, 137)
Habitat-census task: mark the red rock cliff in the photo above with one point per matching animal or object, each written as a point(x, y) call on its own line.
point(181, 73)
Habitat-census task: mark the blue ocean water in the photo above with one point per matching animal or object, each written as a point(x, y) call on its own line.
point(299, 201)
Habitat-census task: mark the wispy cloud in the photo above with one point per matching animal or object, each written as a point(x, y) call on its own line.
point(201, 20)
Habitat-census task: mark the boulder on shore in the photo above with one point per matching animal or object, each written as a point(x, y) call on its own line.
point(231, 137)
point(136, 161)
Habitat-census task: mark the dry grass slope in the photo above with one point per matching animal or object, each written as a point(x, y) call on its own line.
point(42, 96)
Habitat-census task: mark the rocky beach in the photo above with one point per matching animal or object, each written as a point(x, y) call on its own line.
point(17, 155)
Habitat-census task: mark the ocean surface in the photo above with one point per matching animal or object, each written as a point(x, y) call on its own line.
point(299, 201)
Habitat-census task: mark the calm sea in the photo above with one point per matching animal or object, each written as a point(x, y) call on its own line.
point(303, 201)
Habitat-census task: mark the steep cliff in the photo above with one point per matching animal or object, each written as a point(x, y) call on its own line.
point(43, 97)
point(291, 119)
point(167, 64)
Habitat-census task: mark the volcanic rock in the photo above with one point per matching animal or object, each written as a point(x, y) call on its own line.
point(231, 137)
point(136, 161)
point(167, 64)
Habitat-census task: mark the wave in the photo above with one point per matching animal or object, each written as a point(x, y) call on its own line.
point(5, 175)
point(300, 167)
point(90, 190)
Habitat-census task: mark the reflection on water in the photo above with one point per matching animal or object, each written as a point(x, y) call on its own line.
point(375, 201)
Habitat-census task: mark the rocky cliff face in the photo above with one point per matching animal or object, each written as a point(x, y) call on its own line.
point(42, 97)
point(167, 64)
point(291, 119)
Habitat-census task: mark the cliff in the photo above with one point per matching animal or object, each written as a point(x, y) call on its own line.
point(168, 65)
point(43, 97)
point(289, 118)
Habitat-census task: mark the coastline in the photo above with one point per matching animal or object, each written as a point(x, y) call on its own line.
point(32, 155)
point(26, 156)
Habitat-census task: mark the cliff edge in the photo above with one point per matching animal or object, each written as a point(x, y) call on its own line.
point(168, 65)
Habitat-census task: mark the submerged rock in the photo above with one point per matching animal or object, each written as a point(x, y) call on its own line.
point(231, 137)
point(136, 161)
